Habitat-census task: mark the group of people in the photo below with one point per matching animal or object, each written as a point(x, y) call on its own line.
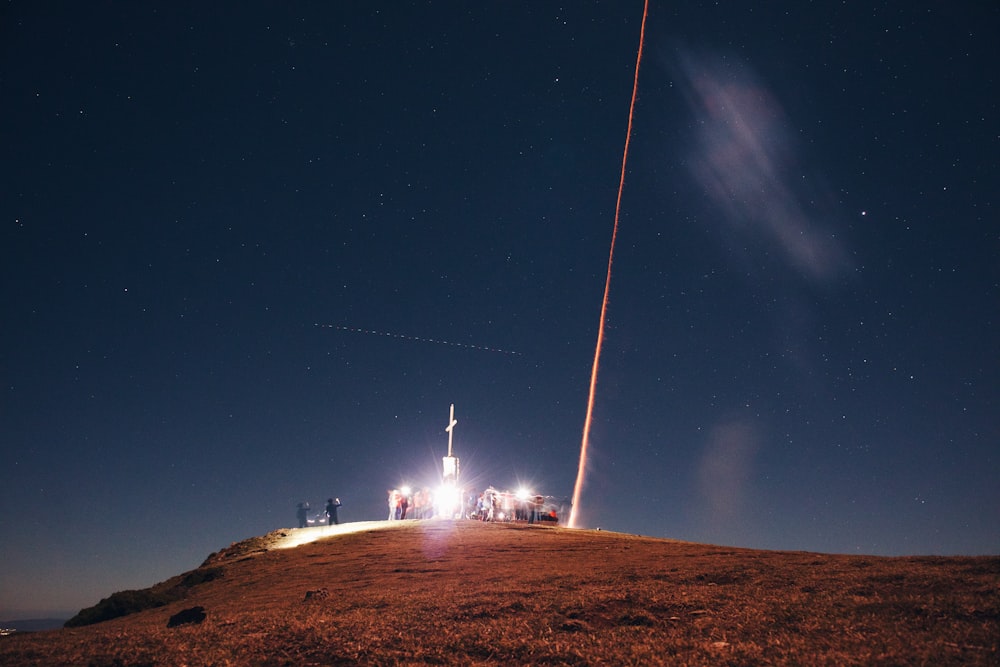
point(490, 505)
point(407, 503)
point(302, 513)
point(493, 505)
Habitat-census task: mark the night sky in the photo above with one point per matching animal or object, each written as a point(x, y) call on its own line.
point(251, 253)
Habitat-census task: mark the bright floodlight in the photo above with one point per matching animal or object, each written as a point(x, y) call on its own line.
point(405, 490)
point(523, 494)
point(447, 501)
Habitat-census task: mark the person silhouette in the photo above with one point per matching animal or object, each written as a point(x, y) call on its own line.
point(331, 511)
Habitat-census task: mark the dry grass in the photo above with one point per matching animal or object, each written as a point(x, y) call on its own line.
point(468, 593)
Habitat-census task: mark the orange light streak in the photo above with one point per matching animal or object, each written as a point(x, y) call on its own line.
point(584, 444)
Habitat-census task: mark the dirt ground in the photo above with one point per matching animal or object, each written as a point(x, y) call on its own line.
point(443, 592)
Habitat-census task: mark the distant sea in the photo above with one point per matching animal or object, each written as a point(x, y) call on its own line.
point(31, 624)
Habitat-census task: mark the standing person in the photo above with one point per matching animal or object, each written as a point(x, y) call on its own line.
point(393, 504)
point(536, 510)
point(302, 514)
point(418, 504)
point(404, 503)
point(331, 510)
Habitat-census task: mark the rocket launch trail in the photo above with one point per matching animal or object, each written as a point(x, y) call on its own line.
point(582, 468)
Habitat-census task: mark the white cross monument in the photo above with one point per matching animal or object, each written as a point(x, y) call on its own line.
point(450, 497)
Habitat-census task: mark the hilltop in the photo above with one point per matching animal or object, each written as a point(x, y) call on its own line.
point(443, 592)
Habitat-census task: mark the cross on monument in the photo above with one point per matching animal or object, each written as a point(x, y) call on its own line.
point(451, 427)
point(450, 463)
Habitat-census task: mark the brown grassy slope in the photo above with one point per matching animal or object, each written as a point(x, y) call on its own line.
point(446, 592)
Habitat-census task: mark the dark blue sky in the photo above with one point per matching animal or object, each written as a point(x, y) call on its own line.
point(801, 347)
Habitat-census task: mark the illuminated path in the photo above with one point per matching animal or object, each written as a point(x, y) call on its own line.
point(299, 536)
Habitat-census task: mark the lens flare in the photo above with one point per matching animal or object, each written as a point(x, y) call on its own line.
point(585, 442)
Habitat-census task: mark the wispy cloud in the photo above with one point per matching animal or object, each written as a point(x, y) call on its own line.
point(727, 468)
point(745, 158)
